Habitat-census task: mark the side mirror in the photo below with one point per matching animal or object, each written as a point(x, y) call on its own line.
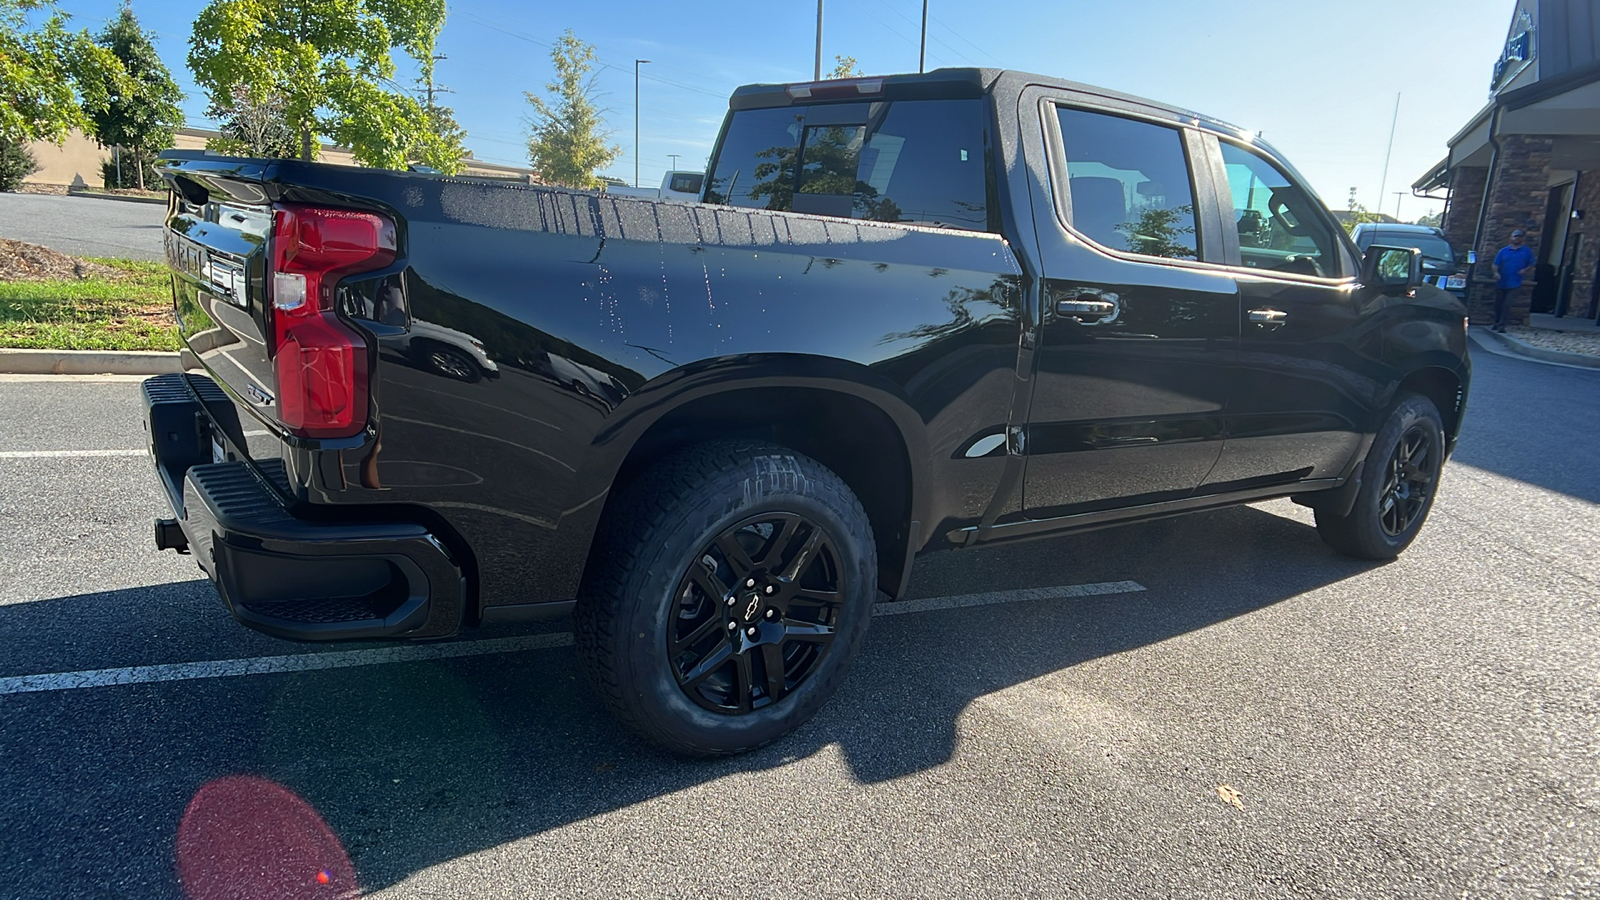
point(1392, 267)
point(1472, 257)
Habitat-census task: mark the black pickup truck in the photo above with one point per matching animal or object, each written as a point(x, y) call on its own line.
point(911, 313)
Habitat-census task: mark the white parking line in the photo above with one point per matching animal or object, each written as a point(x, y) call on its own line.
point(377, 656)
point(43, 454)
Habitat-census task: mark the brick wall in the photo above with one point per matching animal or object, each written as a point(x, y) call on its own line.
point(1466, 198)
point(1587, 200)
point(1518, 195)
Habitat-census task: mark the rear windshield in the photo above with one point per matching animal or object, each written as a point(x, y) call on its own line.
point(917, 161)
point(1432, 246)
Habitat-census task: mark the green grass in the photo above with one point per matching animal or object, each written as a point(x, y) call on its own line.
point(129, 311)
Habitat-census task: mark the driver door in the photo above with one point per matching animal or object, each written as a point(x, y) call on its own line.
point(1309, 369)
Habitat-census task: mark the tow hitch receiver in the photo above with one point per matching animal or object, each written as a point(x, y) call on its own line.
point(170, 536)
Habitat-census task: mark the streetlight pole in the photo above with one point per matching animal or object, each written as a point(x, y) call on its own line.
point(636, 64)
point(922, 54)
point(816, 74)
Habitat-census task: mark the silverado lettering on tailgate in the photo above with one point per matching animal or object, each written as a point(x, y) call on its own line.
point(221, 277)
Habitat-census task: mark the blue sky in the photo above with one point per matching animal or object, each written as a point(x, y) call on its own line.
point(1317, 78)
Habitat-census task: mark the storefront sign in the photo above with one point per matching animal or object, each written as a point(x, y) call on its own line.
point(1518, 52)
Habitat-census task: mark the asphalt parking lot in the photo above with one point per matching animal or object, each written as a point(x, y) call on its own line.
point(1231, 711)
point(84, 226)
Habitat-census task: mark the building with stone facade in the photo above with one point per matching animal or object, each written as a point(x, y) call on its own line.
point(74, 164)
point(1530, 159)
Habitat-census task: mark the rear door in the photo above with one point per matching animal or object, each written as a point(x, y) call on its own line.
point(1139, 332)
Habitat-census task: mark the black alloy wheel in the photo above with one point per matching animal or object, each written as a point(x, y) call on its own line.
point(756, 613)
point(728, 590)
point(1399, 480)
point(1409, 484)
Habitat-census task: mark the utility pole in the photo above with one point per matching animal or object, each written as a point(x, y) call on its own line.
point(1398, 196)
point(674, 160)
point(431, 87)
point(636, 64)
point(922, 54)
point(1384, 182)
point(816, 74)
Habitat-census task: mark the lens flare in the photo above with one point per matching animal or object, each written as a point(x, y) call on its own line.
point(248, 838)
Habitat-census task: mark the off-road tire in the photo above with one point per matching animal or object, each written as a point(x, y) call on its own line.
point(1361, 532)
point(660, 525)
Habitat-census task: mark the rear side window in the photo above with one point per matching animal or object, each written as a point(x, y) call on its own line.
point(915, 161)
point(1129, 184)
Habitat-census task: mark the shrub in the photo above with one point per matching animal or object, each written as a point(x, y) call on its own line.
point(130, 178)
point(16, 163)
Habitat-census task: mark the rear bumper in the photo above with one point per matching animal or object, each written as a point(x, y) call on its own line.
point(279, 573)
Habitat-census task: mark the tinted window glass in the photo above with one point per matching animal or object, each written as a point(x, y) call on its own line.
point(1432, 246)
point(757, 158)
point(1280, 226)
point(1129, 184)
point(686, 182)
point(920, 161)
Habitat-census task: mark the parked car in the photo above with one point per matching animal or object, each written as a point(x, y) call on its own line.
point(1440, 266)
point(675, 185)
point(913, 313)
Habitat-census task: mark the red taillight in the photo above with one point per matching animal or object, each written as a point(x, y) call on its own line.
point(321, 362)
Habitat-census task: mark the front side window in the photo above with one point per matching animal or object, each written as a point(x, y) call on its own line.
point(1281, 228)
point(1129, 184)
point(914, 161)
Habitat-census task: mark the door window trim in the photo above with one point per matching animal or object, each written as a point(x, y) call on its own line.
point(1207, 221)
point(1223, 198)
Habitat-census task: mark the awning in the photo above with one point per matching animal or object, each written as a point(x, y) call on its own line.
point(1438, 178)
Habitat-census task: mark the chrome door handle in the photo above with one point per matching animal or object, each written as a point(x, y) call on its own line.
point(1089, 309)
point(1270, 319)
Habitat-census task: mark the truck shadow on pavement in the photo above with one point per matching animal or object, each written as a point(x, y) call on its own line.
point(417, 764)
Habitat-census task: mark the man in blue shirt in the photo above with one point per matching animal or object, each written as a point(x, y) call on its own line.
point(1510, 264)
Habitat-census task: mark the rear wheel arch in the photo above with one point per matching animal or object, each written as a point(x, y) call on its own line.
point(866, 436)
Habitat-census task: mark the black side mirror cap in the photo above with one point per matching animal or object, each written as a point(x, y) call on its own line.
point(1392, 267)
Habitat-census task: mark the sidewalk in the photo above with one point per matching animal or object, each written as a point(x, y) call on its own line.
point(1569, 334)
point(1571, 340)
point(1571, 324)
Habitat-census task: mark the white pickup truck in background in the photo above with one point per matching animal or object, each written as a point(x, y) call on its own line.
point(683, 187)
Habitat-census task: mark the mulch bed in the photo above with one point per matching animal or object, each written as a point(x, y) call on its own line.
point(21, 261)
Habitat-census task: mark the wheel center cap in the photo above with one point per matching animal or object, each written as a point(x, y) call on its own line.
point(753, 608)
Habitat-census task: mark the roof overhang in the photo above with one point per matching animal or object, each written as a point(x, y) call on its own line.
point(1437, 178)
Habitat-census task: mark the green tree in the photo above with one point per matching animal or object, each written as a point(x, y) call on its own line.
point(1359, 214)
point(251, 125)
point(139, 112)
point(48, 75)
point(845, 67)
point(1156, 231)
point(1432, 220)
point(330, 62)
point(441, 147)
point(16, 163)
point(568, 143)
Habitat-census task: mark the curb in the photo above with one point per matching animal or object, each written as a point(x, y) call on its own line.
point(88, 362)
point(118, 197)
point(1514, 347)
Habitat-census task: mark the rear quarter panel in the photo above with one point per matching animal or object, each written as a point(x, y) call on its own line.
point(656, 304)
